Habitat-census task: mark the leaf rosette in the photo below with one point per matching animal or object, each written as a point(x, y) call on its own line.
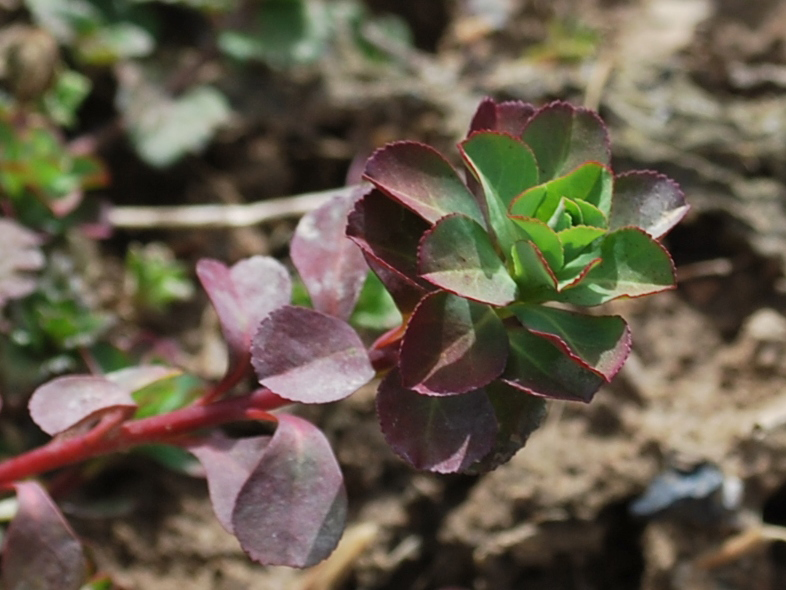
point(486, 272)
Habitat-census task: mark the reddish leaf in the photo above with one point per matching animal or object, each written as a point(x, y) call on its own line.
point(135, 378)
point(65, 402)
point(40, 550)
point(452, 345)
point(21, 256)
point(389, 235)
point(242, 297)
point(306, 356)
point(292, 508)
point(228, 463)
point(331, 266)
point(518, 415)
point(564, 137)
point(600, 343)
point(648, 200)
point(457, 255)
point(443, 434)
point(420, 178)
point(508, 117)
point(537, 366)
point(405, 292)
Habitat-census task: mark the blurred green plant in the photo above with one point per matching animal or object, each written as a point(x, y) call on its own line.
point(154, 278)
point(567, 40)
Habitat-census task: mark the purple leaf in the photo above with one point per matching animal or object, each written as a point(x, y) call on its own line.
point(135, 378)
point(21, 256)
point(420, 178)
point(306, 356)
point(443, 434)
point(518, 415)
point(537, 366)
point(508, 117)
point(389, 235)
point(564, 137)
point(292, 508)
point(647, 200)
point(243, 296)
point(228, 462)
point(65, 402)
point(331, 266)
point(40, 550)
point(452, 345)
point(600, 343)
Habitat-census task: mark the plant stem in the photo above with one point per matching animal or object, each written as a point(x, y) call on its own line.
point(107, 437)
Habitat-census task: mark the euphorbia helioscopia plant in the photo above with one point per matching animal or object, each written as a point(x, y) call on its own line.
point(487, 270)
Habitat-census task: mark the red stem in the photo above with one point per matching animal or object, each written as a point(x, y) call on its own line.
point(104, 438)
point(113, 434)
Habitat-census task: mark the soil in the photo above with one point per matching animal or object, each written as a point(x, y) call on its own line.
point(693, 88)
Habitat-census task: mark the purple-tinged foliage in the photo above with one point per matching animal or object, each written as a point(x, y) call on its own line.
point(243, 296)
point(310, 357)
point(482, 272)
point(21, 257)
point(283, 496)
point(388, 235)
point(330, 264)
point(40, 550)
point(421, 179)
point(68, 402)
point(135, 378)
point(443, 434)
point(547, 221)
point(452, 345)
point(649, 200)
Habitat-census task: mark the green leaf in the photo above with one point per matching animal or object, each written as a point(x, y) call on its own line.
point(421, 179)
point(591, 182)
point(574, 270)
point(452, 345)
point(457, 255)
point(564, 137)
point(632, 264)
point(533, 275)
point(112, 43)
point(165, 395)
point(546, 239)
point(164, 129)
point(281, 33)
point(575, 239)
point(505, 167)
point(375, 309)
point(600, 343)
point(538, 366)
point(63, 100)
point(591, 215)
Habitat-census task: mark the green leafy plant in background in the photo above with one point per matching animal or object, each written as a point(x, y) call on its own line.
point(172, 111)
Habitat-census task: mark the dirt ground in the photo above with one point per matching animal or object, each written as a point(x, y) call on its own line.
point(693, 88)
